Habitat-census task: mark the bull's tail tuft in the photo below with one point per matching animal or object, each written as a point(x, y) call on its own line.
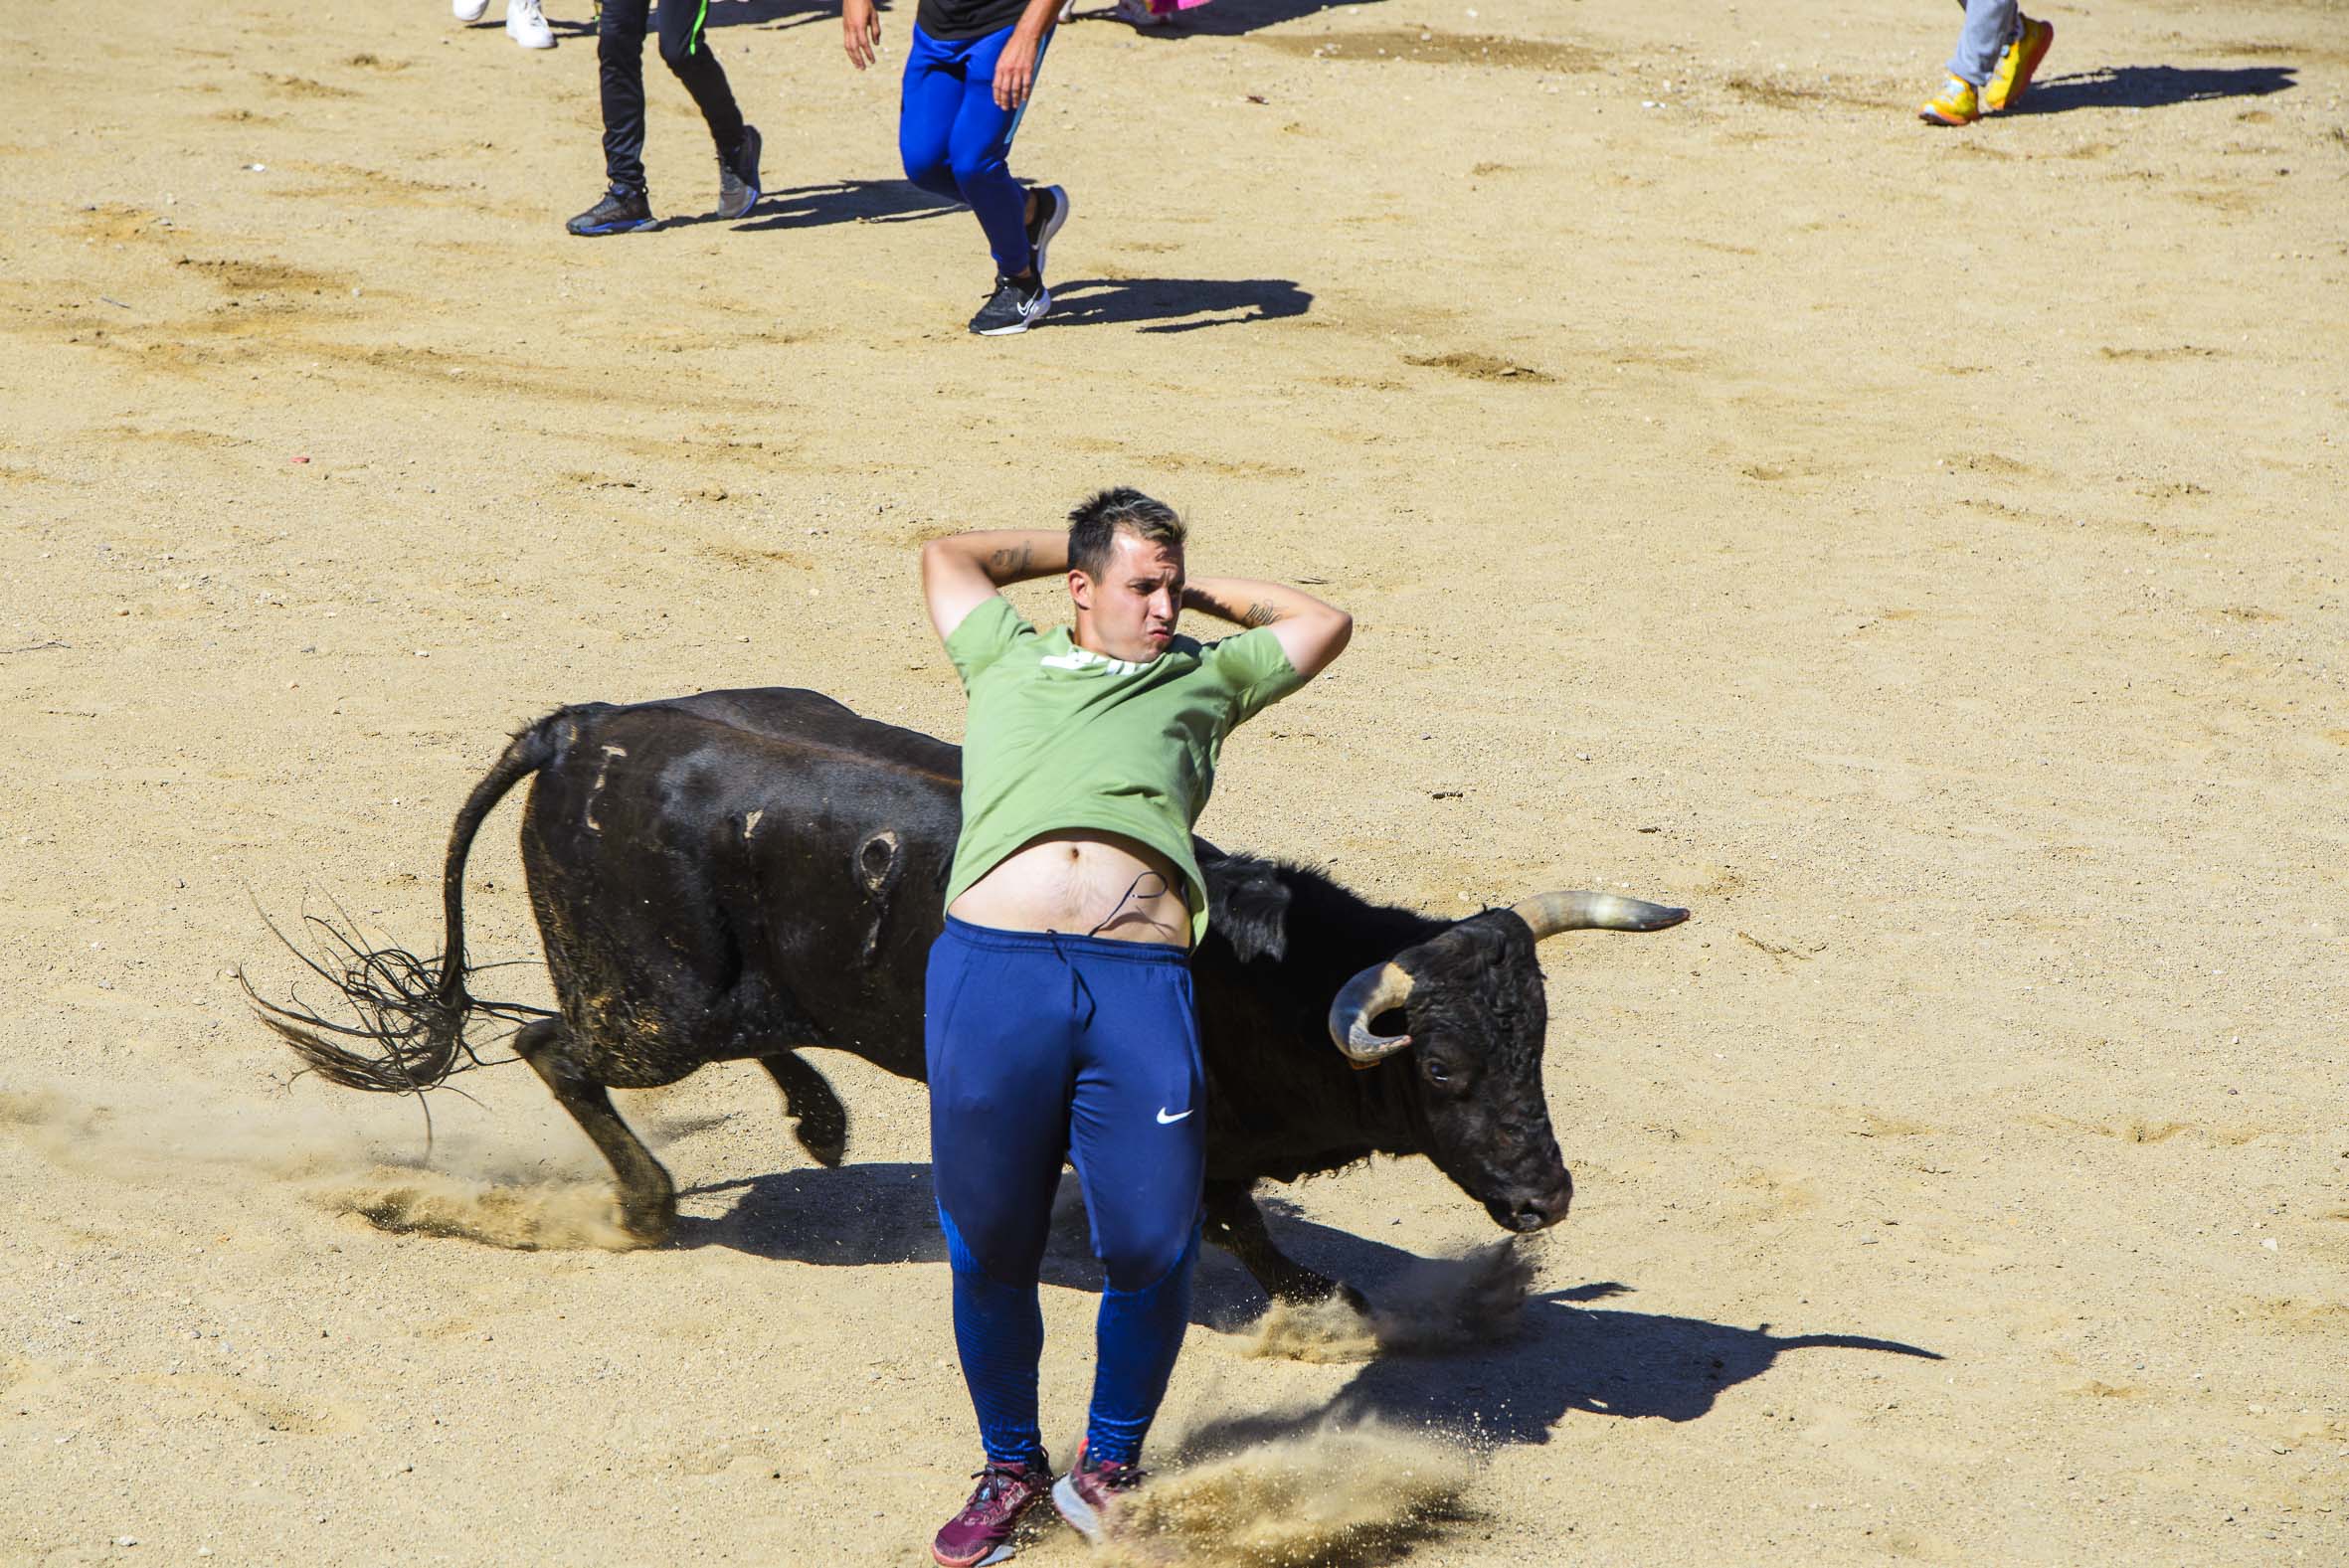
point(404, 1034)
point(409, 1014)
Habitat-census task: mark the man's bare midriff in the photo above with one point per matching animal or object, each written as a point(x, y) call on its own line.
point(1076, 880)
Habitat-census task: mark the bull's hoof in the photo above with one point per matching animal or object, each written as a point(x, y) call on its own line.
point(825, 1139)
point(1307, 1289)
point(648, 1224)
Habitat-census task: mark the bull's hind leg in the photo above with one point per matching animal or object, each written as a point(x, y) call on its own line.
point(647, 1198)
point(1234, 1223)
point(818, 1121)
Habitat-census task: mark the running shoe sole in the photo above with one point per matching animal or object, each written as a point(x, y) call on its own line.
point(1001, 1554)
point(1073, 1507)
point(597, 231)
point(1043, 308)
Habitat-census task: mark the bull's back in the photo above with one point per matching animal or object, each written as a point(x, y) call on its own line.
point(765, 849)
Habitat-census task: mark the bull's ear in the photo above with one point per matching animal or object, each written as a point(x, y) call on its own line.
point(1248, 904)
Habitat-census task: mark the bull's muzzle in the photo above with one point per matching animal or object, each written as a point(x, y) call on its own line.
point(1532, 1211)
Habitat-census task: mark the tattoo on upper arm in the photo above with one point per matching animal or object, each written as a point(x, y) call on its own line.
point(1011, 559)
point(1261, 613)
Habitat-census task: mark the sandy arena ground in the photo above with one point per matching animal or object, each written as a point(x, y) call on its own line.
point(1921, 552)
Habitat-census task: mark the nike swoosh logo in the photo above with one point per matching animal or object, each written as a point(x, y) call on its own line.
point(1168, 1120)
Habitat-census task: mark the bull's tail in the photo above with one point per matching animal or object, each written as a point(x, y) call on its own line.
point(410, 1011)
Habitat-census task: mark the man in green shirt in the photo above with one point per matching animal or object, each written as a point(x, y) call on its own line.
point(1059, 1016)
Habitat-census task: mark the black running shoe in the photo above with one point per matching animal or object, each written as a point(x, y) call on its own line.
point(621, 210)
point(738, 176)
point(1051, 212)
point(1013, 307)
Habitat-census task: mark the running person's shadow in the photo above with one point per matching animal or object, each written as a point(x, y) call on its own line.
point(843, 201)
point(2153, 87)
point(1226, 17)
point(1174, 304)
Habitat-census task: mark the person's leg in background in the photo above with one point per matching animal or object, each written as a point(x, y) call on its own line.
point(626, 206)
point(684, 46)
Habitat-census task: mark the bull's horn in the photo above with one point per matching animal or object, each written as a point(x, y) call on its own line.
point(1550, 913)
point(1379, 989)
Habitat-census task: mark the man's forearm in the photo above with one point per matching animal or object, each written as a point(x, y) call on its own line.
point(1246, 602)
point(1009, 555)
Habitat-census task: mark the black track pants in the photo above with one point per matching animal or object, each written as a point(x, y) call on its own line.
point(620, 47)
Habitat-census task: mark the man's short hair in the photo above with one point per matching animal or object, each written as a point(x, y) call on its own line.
point(1094, 526)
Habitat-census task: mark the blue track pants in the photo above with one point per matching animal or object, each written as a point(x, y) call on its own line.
point(1043, 1047)
point(957, 143)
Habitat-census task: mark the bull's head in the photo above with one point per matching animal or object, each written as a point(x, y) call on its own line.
point(1471, 1002)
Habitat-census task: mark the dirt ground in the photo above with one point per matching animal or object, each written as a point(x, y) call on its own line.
point(1920, 553)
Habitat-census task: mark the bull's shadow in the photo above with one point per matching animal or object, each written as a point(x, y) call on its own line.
point(1572, 1359)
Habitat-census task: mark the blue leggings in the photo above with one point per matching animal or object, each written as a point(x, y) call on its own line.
point(957, 143)
point(1043, 1047)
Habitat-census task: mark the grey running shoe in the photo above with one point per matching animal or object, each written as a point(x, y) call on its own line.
point(621, 210)
point(1087, 1496)
point(1051, 212)
point(738, 176)
point(1013, 307)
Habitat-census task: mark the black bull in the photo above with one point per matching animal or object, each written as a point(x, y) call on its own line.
point(746, 873)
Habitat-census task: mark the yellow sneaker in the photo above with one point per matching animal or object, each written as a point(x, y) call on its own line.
point(1954, 105)
point(2012, 79)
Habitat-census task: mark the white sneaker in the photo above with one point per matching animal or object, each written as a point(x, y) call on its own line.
point(468, 10)
point(526, 25)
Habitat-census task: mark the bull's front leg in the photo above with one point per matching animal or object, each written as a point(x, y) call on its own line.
point(1234, 1223)
point(818, 1121)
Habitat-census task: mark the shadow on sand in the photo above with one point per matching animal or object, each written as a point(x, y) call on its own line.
point(1572, 1359)
point(1226, 17)
point(1174, 304)
point(843, 201)
point(2153, 87)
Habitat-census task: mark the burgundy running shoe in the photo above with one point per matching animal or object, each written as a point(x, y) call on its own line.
point(1087, 1496)
point(982, 1533)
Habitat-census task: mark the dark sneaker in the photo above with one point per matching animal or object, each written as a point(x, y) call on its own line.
point(1013, 307)
point(738, 176)
point(621, 210)
point(982, 1533)
point(1088, 1496)
point(1051, 212)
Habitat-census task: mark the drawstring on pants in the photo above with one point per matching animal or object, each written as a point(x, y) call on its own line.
point(1080, 993)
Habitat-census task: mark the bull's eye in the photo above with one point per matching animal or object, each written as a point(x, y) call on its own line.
point(1437, 1071)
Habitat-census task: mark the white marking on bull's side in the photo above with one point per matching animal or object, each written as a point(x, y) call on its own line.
point(750, 825)
point(597, 788)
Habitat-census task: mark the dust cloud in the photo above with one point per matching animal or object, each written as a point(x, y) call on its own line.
point(1434, 1305)
point(1330, 1496)
point(333, 1157)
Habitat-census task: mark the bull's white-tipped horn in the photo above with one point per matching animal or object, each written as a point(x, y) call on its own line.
point(1379, 989)
point(1550, 913)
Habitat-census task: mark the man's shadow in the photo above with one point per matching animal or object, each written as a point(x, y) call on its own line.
point(1569, 1358)
point(773, 14)
point(843, 201)
point(2153, 87)
point(1175, 305)
point(1226, 17)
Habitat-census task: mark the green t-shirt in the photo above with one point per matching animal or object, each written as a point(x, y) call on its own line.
point(1060, 737)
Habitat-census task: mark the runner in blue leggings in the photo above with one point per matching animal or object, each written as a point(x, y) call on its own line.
point(968, 79)
point(1059, 1019)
